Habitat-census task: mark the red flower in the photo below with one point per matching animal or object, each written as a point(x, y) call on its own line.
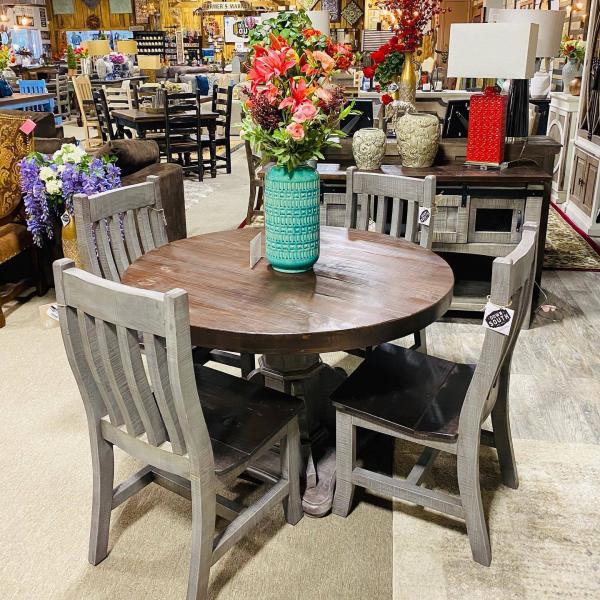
point(378, 56)
point(369, 72)
point(298, 92)
point(386, 99)
point(273, 63)
point(310, 32)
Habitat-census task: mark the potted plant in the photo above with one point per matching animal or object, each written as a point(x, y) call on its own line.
point(292, 112)
point(48, 184)
point(71, 61)
point(574, 51)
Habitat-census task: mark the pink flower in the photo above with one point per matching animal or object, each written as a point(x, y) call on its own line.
point(323, 94)
point(298, 91)
point(296, 131)
point(327, 63)
point(304, 112)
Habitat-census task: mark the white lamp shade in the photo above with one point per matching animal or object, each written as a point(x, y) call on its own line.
point(149, 62)
point(492, 50)
point(127, 46)
point(550, 21)
point(98, 47)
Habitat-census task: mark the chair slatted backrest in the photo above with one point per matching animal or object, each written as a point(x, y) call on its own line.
point(115, 228)
point(406, 195)
point(105, 121)
point(36, 86)
point(83, 92)
point(101, 322)
point(512, 282)
point(182, 116)
point(222, 103)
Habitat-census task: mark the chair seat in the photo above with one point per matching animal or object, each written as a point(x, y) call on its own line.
point(241, 416)
point(406, 390)
point(14, 238)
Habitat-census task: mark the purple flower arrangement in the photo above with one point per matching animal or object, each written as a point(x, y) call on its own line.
point(49, 182)
point(116, 58)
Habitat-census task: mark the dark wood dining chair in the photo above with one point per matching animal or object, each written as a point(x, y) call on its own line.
point(105, 122)
point(183, 132)
point(368, 201)
point(222, 103)
point(441, 405)
point(115, 228)
point(195, 429)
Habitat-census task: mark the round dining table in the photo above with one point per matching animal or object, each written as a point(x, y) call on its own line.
point(366, 288)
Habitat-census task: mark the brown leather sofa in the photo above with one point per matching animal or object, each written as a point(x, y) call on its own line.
point(138, 159)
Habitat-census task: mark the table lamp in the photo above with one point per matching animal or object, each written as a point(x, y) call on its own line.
point(97, 48)
point(494, 50)
point(150, 63)
point(551, 24)
point(128, 47)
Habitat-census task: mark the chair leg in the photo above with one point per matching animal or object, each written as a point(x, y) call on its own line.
point(228, 155)
point(2, 317)
point(470, 495)
point(103, 465)
point(345, 460)
point(248, 364)
point(290, 470)
point(502, 435)
point(203, 533)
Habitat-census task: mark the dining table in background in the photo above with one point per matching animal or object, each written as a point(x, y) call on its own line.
point(366, 288)
point(143, 122)
point(18, 101)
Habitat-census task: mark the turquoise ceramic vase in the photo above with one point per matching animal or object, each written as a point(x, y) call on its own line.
point(292, 218)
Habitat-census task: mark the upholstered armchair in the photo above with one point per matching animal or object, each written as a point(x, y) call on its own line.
point(18, 256)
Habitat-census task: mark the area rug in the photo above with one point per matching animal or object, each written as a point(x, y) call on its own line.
point(566, 247)
point(545, 535)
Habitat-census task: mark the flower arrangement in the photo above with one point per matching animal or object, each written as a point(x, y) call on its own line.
point(411, 19)
point(572, 49)
point(116, 58)
point(6, 57)
point(48, 184)
point(292, 108)
point(388, 61)
point(81, 53)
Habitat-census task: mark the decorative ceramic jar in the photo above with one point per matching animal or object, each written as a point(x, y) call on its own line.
point(368, 148)
point(86, 66)
point(418, 136)
point(102, 68)
point(571, 69)
point(292, 218)
point(407, 84)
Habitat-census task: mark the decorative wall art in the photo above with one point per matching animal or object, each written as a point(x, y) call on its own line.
point(63, 7)
point(306, 4)
point(141, 16)
point(333, 6)
point(91, 4)
point(352, 13)
point(120, 7)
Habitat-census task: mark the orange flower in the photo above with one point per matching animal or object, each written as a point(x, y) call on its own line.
point(296, 131)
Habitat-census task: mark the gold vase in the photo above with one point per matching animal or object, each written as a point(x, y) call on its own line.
point(69, 239)
point(407, 83)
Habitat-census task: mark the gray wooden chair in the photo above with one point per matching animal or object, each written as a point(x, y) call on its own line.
point(369, 199)
point(440, 405)
point(195, 429)
point(115, 228)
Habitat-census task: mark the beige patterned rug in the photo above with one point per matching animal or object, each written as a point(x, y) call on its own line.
point(545, 535)
point(566, 248)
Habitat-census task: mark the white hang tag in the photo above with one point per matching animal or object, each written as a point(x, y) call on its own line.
point(65, 218)
point(255, 250)
point(498, 318)
point(424, 215)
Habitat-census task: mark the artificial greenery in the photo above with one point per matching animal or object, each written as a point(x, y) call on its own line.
point(387, 71)
point(71, 58)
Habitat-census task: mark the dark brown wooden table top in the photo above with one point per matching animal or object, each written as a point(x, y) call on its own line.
point(134, 115)
point(366, 288)
point(451, 173)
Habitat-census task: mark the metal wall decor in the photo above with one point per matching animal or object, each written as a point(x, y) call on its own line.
point(306, 4)
point(333, 6)
point(352, 12)
point(91, 4)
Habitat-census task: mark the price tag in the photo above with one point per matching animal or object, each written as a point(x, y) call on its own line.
point(255, 250)
point(498, 318)
point(65, 218)
point(424, 215)
point(28, 126)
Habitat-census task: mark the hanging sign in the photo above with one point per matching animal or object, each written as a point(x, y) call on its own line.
point(498, 318)
point(236, 30)
point(241, 6)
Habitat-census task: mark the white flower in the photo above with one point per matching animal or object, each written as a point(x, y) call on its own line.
point(46, 173)
point(61, 168)
point(53, 186)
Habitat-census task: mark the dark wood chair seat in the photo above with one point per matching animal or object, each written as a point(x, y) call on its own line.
point(416, 394)
point(240, 416)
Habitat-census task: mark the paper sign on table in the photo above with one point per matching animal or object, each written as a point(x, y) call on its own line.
point(28, 126)
point(255, 250)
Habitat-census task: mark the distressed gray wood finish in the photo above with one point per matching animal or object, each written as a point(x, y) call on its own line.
point(365, 191)
point(156, 416)
point(487, 394)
